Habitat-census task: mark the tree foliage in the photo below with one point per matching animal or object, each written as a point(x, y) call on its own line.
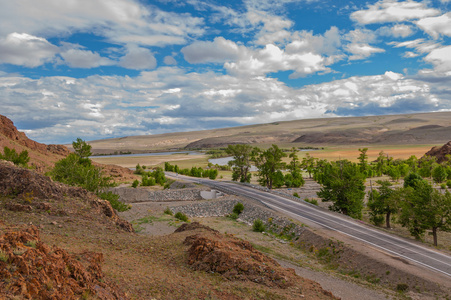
point(241, 163)
point(19, 159)
point(269, 163)
point(382, 204)
point(343, 184)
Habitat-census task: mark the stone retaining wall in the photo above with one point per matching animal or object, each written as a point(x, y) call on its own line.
point(273, 222)
point(134, 195)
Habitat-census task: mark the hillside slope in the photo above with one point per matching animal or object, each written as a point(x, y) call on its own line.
point(413, 129)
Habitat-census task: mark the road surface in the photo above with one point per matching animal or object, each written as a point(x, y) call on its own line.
point(398, 246)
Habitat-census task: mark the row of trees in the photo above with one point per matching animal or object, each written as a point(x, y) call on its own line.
point(194, 171)
point(269, 164)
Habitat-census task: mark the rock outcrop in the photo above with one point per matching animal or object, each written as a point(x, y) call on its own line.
point(440, 152)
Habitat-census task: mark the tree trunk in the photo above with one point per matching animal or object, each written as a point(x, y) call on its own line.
point(387, 220)
point(434, 234)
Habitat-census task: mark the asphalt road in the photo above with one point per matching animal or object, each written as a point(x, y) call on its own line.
point(397, 246)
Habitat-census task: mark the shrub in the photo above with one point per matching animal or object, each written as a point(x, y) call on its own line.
point(168, 211)
point(443, 186)
point(238, 208)
point(181, 216)
point(114, 201)
point(258, 226)
point(402, 287)
point(448, 183)
point(233, 216)
point(135, 183)
point(311, 201)
point(296, 194)
point(21, 159)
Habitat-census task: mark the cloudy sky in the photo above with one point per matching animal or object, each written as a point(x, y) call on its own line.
point(109, 68)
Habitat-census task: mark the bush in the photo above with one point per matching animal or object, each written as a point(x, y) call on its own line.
point(448, 183)
point(238, 208)
point(168, 211)
point(402, 287)
point(114, 201)
point(311, 201)
point(296, 194)
point(181, 216)
point(135, 183)
point(233, 216)
point(258, 226)
point(21, 159)
point(443, 186)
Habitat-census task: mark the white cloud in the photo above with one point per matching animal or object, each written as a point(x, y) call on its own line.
point(440, 58)
point(393, 11)
point(170, 60)
point(138, 58)
point(398, 30)
point(26, 50)
point(362, 51)
point(359, 46)
point(436, 26)
point(77, 58)
point(120, 21)
point(168, 99)
point(218, 51)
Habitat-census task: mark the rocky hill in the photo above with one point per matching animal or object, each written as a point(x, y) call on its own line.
point(43, 157)
point(440, 153)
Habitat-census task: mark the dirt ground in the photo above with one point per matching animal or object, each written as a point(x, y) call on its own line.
point(346, 286)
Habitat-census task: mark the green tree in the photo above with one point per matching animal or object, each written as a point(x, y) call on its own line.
point(20, 159)
point(82, 150)
point(308, 164)
point(268, 163)
point(363, 159)
point(241, 163)
point(294, 179)
point(381, 162)
point(424, 208)
point(382, 203)
point(439, 173)
point(343, 184)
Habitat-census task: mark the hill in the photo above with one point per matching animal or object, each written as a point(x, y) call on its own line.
point(409, 129)
point(43, 157)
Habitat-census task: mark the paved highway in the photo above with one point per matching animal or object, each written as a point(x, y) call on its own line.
point(397, 246)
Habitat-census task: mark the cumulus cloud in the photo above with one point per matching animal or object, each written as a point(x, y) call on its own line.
point(393, 11)
point(397, 31)
point(26, 50)
point(441, 59)
point(359, 46)
point(120, 21)
point(77, 58)
point(436, 26)
point(138, 58)
point(169, 99)
point(219, 50)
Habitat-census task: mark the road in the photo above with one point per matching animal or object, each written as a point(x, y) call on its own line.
point(400, 247)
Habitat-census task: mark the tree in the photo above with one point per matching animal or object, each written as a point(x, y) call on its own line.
point(439, 173)
point(382, 203)
point(268, 163)
point(343, 184)
point(424, 208)
point(363, 159)
point(294, 179)
point(82, 150)
point(241, 163)
point(308, 164)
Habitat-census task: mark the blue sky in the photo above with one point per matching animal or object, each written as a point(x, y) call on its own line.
point(110, 68)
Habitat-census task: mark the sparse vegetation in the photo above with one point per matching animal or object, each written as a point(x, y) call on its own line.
point(258, 226)
point(181, 216)
point(238, 208)
point(168, 211)
point(19, 159)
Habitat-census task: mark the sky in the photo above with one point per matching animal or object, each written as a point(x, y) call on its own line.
point(99, 69)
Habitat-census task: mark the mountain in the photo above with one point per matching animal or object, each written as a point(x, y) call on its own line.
point(42, 156)
point(408, 129)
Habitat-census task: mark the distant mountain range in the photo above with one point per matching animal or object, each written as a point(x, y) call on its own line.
point(408, 129)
